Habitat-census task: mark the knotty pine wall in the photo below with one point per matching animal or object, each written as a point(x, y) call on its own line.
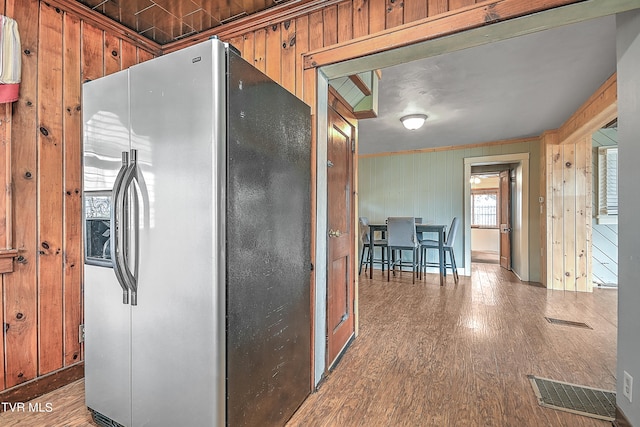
point(42, 297)
point(275, 47)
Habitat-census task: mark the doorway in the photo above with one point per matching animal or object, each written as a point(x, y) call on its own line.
point(518, 163)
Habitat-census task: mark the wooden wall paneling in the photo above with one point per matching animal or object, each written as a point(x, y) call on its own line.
point(248, 51)
point(72, 149)
point(345, 21)
point(458, 4)
point(360, 18)
point(426, 29)
point(273, 56)
point(5, 204)
point(92, 52)
point(5, 176)
point(377, 15)
point(128, 54)
point(50, 190)
point(144, 55)
point(316, 31)
point(302, 46)
point(583, 213)
point(414, 10)
point(112, 54)
point(238, 43)
point(394, 13)
point(330, 18)
point(436, 7)
point(288, 72)
point(20, 291)
point(569, 208)
point(556, 264)
point(260, 49)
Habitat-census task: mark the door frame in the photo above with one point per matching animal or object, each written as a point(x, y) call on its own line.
point(384, 49)
point(519, 209)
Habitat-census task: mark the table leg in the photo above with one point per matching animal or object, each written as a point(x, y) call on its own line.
point(371, 253)
point(441, 257)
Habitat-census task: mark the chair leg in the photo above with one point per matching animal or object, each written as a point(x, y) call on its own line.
point(388, 263)
point(361, 260)
point(454, 268)
point(413, 267)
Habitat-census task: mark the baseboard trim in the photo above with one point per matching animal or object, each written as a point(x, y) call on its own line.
point(42, 385)
point(621, 420)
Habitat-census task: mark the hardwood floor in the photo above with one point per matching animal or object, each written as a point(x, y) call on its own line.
point(459, 355)
point(456, 355)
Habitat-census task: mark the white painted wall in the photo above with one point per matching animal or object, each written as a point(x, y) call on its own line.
point(628, 52)
point(485, 239)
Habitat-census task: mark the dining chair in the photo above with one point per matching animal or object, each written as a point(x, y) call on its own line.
point(365, 240)
point(448, 248)
point(401, 236)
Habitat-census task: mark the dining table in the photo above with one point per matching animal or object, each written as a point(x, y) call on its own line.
point(420, 228)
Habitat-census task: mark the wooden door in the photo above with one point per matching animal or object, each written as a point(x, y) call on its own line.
point(505, 219)
point(340, 265)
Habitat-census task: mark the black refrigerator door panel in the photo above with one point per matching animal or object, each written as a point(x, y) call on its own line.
point(267, 249)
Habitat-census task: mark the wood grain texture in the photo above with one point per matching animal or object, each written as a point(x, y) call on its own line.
point(5, 177)
point(459, 355)
point(330, 25)
point(72, 155)
point(112, 54)
point(248, 52)
point(288, 56)
point(129, 54)
point(92, 52)
point(429, 28)
point(557, 223)
point(302, 46)
point(360, 18)
point(273, 55)
point(394, 13)
point(414, 10)
point(50, 188)
point(377, 16)
point(436, 7)
point(456, 355)
point(260, 49)
point(316, 30)
point(20, 287)
point(345, 21)
point(569, 215)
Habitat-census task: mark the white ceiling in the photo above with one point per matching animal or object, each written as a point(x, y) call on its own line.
point(513, 88)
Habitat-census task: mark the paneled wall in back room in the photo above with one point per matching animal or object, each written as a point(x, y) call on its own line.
point(42, 297)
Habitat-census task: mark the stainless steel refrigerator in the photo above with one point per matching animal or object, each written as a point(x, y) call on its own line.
point(197, 243)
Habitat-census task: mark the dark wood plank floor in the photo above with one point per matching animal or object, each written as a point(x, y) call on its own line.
point(456, 355)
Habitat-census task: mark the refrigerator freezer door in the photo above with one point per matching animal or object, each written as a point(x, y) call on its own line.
point(107, 319)
point(268, 249)
point(177, 119)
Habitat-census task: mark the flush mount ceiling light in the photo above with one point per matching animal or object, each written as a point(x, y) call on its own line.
point(413, 121)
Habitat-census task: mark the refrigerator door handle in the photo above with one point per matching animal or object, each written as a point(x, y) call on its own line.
point(116, 226)
point(129, 177)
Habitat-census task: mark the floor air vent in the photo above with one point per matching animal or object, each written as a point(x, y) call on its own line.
point(586, 401)
point(568, 323)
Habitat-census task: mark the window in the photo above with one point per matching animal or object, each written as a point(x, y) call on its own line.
point(484, 208)
point(607, 212)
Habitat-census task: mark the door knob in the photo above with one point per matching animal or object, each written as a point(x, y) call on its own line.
point(335, 233)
